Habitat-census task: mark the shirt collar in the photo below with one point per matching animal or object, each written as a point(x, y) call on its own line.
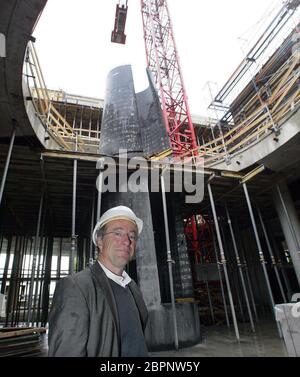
point(121, 280)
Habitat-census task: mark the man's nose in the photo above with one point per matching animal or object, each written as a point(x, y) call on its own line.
point(126, 239)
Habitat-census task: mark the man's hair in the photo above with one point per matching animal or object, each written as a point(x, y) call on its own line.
point(100, 232)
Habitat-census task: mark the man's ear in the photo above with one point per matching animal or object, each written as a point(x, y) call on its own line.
point(99, 243)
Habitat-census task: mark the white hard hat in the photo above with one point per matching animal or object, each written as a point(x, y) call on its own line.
point(117, 213)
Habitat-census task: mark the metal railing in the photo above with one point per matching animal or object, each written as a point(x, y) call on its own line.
point(261, 117)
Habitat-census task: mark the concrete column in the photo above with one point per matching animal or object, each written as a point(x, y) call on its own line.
point(289, 221)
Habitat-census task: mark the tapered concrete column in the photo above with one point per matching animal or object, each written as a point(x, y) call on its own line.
point(289, 221)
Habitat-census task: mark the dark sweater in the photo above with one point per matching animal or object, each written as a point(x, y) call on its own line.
point(132, 338)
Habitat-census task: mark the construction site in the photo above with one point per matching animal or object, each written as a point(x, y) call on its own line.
point(218, 261)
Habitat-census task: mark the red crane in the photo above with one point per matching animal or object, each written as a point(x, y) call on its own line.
point(163, 62)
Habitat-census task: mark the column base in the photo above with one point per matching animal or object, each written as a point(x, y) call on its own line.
point(160, 333)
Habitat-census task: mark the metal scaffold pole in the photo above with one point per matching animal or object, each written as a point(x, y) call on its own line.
point(238, 261)
point(223, 261)
point(91, 259)
point(7, 258)
point(30, 295)
point(12, 139)
point(283, 271)
point(271, 255)
point(245, 266)
point(231, 272)
point(261, 255)
point(169, 260)
point(221, 282)
point(99, 198)
point(74, 237)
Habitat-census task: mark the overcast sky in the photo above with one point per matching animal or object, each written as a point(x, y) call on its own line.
point(73, 43)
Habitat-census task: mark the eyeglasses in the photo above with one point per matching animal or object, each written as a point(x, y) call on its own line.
point(120, 234)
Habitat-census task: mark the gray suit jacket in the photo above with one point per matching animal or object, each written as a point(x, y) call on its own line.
point(83, 320)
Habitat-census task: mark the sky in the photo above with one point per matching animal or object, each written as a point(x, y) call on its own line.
point(75, 52)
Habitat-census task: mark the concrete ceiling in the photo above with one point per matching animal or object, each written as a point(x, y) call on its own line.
point(17, 21)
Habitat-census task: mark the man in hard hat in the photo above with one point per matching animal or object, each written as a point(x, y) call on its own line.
point(100, 310)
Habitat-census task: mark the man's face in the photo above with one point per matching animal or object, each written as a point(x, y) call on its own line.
point(117, 246)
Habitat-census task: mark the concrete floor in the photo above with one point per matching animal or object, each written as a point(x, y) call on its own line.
point(219, 341)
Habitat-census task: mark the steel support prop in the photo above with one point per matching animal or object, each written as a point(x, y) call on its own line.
point(283, 271)
point(232, 273)
point(91, 259)
point(12, 139)
point(47, 281)
point(238, 261)
point(221, 282)
point(5, 271)
point(73, 237)
point(169, 260)
point(271, 255)
point(223, 261)
point(245, 266)
point(261, 255)
point(36, 296)
point(13, 283)
point(210, 301)
point(33, 268)
point(195, 236)
point(28, 261)
point(99, 198)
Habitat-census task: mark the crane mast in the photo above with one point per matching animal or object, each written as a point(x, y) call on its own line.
point(163, 62)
